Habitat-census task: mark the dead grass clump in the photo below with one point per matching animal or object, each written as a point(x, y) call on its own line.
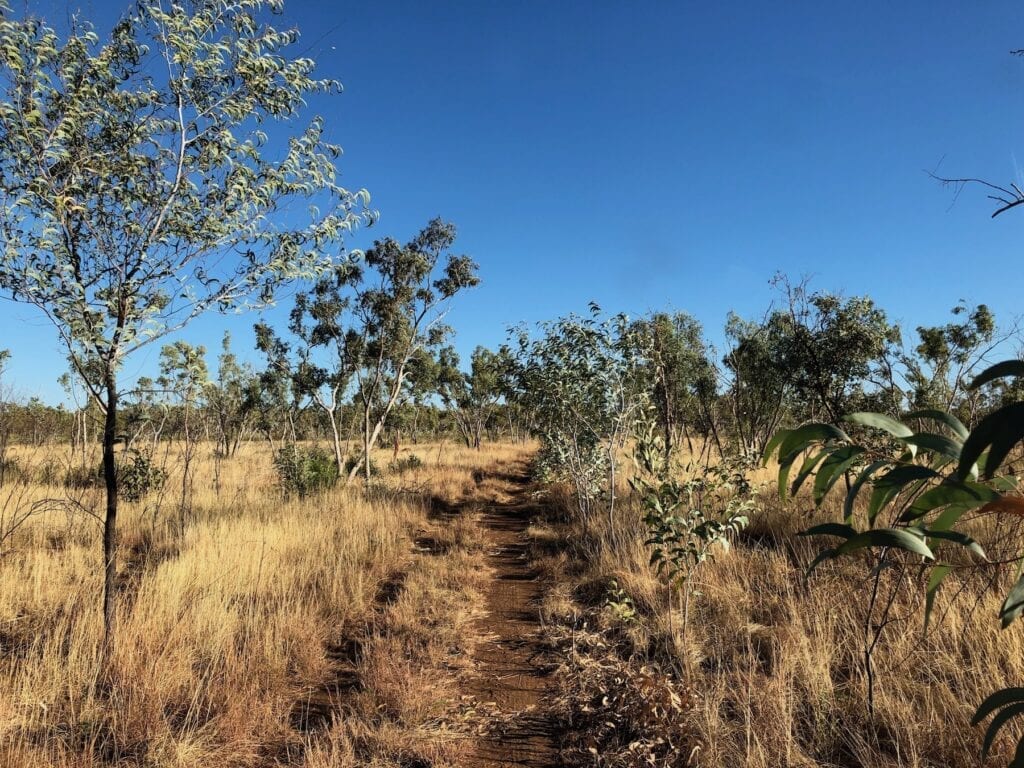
point(620, 714)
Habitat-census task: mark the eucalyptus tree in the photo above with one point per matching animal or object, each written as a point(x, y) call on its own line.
point(82, 415)
point(399, 311)
point(472, 397)
point(515, 407)
point(678, 373)
point(184, 373)
point(760, 392)
point(428, 369)
point(229, 399)
point(817, 357)
point(687, 520)
point(277, 390)
point(948, 356)
point(317, 363)
point(138, 189)
point(579, 377)
point(838, 350)
point(144, 408)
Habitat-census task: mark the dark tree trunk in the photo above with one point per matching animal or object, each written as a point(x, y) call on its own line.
point(110, 521)
point(366, 446)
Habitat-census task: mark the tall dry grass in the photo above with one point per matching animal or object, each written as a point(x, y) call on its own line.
point(773, 664)
point(229, 606)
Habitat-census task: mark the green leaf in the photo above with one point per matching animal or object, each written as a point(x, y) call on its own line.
point(950, 516)
point(907, 539)
point(937, 576)
point(838, 462)
point(959, 538)
point(1003, 717)
point(962, 494)
point(939, 444)
point(797, 440)
point(774, 443)
point(808, 467)
point(862, 478)
point(1013, 604)
point(825, 554)
point(891, 483)
point(999, 432)
point(880, 421)
point(830, 529)
point(999, 371)
point(904, 475)
point(946, 419)
point(996, 701)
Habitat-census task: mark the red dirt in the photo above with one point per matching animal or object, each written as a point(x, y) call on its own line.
point(511, 670)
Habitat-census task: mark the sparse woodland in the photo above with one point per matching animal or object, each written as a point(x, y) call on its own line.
point(800, 546)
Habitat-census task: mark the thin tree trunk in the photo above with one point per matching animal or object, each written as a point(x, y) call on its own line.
point(109, 522)
point(185, 472)
point(366, 447)
point(611, 486)
point(338, 459)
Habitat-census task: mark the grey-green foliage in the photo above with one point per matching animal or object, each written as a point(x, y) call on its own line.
point(761, 387)
point(946, 358)
point(399, 312)
point(619, 604)
point(918, 490)
point(837, 350)
point(316, 362)
point(304, 471)
point(405, 464)
point(139, 476)
point(230, 398)
point(471, 397)
point(578, 378)
point(690, 510)
point(183, 372)
point(139, 189)
point(678, 374)
point(816, 357)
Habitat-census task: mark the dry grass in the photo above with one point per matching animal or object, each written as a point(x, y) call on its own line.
point(228, 620)
point(330, 632)
point(774, 662)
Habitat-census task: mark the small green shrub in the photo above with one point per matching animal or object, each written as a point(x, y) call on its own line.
point(304, 471)
point(405, 464)
point(138, 477)
point(619, 604)
point(351, 461)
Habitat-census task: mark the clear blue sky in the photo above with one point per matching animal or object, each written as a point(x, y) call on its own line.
point(664, 154)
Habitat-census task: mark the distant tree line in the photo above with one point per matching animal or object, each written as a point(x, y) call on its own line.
point(813, 357)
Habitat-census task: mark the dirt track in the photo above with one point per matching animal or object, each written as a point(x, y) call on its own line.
point(511, 669)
